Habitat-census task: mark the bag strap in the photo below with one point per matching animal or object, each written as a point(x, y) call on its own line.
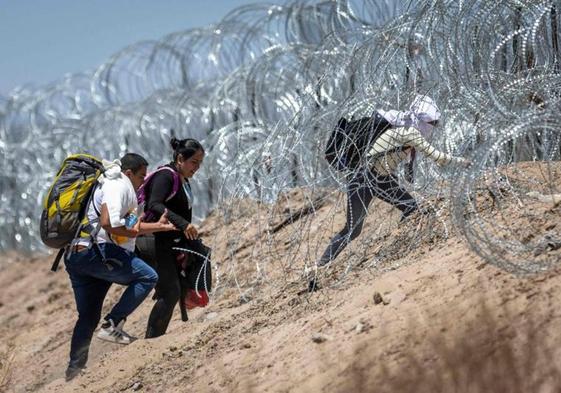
point(58, 257)
point(67, 250)
point(176, 182)
point(182, 307)
point(175, 186)
point(96, 210)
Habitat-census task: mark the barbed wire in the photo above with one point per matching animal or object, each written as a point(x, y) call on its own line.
point(263, 89)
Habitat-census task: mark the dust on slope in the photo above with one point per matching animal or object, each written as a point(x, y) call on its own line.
point(261, 333)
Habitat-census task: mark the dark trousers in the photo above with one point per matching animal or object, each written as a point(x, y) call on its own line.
point(91, 279)
point(362, 188)
point(168, 289)
point(172, 285)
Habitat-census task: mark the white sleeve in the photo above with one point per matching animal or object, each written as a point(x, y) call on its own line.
point(412, 137)
point(114, 199)
point(387, 141)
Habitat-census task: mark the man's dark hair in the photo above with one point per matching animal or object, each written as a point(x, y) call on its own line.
point(133, 161)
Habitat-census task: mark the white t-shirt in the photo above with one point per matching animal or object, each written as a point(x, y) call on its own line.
point(117, 192)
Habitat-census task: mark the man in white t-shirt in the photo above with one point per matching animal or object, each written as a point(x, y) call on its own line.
point(107, 256)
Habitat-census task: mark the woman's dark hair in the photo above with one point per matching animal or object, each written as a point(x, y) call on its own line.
point(186, 147)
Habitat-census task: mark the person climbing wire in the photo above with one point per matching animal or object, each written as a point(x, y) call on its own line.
point(400, 135)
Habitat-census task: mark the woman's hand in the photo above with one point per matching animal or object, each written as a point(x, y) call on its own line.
point(191, 232)
point(164, 223)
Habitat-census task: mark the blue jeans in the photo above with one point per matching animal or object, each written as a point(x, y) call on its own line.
point(91, 279)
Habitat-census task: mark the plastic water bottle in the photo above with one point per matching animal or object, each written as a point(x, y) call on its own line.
point(130, 220)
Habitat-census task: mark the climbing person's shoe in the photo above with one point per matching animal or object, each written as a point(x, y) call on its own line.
point(313, 285)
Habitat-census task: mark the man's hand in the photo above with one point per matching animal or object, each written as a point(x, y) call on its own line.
point(136, 226)
point(162, 225)
point(191, 232)
point(164, 218)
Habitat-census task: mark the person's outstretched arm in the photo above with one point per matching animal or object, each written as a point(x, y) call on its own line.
point(411, 137)
point(163, 225)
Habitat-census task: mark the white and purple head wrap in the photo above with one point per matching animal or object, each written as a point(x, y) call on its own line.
point(422, 111)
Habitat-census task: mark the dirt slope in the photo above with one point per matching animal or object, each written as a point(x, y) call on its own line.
point(431, 307)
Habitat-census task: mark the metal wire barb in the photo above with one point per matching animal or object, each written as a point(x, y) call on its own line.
point(263, 88)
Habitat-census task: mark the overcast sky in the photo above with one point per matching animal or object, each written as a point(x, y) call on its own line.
point(42, 40)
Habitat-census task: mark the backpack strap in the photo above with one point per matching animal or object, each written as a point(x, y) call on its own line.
point(89, 229)
point(176, 181)
point(93, 235)
point(96, 210)
point(58, 257)
point(182, 307)
point(141, 195)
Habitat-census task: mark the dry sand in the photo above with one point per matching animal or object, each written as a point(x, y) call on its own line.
point(435, 307)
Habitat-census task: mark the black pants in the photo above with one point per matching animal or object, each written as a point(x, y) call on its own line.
point(362, 188)
point(159, 253)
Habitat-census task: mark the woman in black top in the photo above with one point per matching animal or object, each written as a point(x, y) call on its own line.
point(188, 155)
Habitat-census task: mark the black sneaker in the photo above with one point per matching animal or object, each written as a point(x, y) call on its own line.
point(72, 372)
point(406, 213)
point(313, 285)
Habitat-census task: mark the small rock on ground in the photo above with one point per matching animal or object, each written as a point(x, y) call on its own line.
point(319, 338)
point(377, 298)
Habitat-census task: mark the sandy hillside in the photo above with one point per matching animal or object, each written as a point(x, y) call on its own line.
point(417, 312)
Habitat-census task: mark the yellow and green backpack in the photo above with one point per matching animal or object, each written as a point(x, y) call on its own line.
point(65, 205)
